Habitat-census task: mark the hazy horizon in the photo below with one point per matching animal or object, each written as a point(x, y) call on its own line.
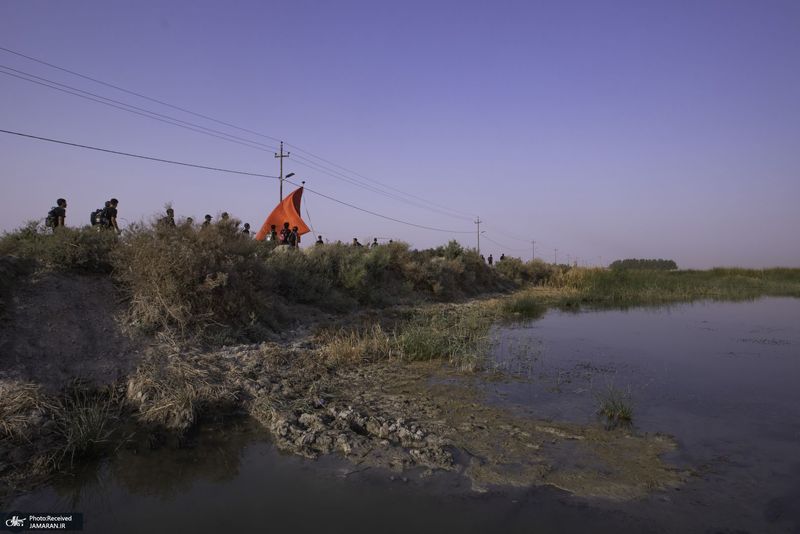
point(607, 131)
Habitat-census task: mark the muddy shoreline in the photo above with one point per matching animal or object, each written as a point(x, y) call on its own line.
point(396, 415)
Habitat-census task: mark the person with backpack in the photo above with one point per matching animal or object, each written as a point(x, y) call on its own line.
point(57, 214)
point(109, 216)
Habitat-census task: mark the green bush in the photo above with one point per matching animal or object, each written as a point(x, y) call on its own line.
point(86, 250)
point(534, 272)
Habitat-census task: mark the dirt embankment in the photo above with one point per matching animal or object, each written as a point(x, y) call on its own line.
point(57, 327)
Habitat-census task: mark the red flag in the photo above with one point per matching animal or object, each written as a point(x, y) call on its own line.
point(287, 211)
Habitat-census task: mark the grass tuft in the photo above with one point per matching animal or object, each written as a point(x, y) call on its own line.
point(615, 405)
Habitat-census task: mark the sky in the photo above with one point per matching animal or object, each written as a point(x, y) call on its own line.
point(605, 130)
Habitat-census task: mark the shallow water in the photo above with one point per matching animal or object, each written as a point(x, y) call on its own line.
point(722, 378)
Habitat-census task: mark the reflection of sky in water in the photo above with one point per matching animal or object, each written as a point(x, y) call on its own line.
point(721, 377)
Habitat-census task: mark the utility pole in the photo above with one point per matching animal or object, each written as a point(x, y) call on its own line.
point(478, 221)
point(533, 250)
point(280, 157)
point(555, 257)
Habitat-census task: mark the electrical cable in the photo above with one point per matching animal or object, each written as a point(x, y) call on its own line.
point(219, 169)
point(207, 117)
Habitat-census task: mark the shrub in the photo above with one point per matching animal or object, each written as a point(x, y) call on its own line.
point(534, 272)
point(86, 249)
point(211, 282)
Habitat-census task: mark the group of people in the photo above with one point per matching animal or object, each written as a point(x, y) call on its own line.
point(287, 236)
point(490, 261)
point(105, 217)
point(371, 245)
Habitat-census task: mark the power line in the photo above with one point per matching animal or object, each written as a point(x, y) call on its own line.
point(161, 102)
point(142, 112)
point(219, 169)
point(134, 93)
point(463, 213)
point(504, 246)
point(130, 155)
point(199, 129)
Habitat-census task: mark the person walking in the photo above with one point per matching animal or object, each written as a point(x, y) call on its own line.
point(109, 216)
point(57, 214)
point(207, 221)
point(273, 234)
point(356, 243)
point(374, 242)
point(246, 229)
point(490, 260)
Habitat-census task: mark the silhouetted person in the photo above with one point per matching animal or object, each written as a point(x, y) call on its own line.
point(483, 259)
point(502, 257)
point(189, 221)
point(490, 259)
point(283, 238)
point(246, 229)
point(374, 242)
point(57, 214)
point(110, 215)
point(224, 216)
point(356, 243)
point(294, 237)
point(207, 221)
point(169, 220)
point(273, 234)
point(319, 240)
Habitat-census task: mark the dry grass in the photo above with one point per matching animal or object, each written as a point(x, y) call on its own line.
point(352, 347)
point(23, 406)
point(172, 386)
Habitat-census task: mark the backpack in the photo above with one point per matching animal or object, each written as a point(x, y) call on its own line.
point(99, 216)
point(51, 220)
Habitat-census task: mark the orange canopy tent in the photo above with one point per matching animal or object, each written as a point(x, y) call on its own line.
point(287, 211)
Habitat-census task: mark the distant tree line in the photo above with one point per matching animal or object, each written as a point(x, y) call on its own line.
point(654, 265)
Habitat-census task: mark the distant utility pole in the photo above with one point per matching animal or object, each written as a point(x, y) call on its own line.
point(478, 221)
point(533, 250)
point(555, 257)
point(280, 157)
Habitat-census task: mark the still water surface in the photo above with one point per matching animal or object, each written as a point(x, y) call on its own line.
point(722, 378)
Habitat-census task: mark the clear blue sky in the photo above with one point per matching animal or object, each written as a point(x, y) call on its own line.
point(605, 129)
